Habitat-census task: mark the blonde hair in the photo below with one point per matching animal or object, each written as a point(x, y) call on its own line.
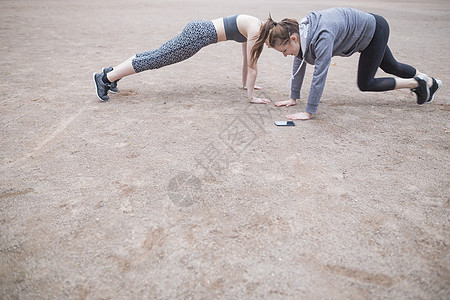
point(277, 33)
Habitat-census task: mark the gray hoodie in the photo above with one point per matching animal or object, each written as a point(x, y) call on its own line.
point(324, 34)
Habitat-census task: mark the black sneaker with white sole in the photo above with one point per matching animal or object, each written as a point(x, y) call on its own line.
point(434, 88)
point(422, 91)
point(113, 86)
point(101, 88)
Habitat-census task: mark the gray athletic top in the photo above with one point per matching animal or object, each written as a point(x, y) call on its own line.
point(232, 31)
point(327, 33)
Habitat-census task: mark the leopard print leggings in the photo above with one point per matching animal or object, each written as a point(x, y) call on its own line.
point(195, 36)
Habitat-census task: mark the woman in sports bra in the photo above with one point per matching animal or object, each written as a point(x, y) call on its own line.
point(196, 35)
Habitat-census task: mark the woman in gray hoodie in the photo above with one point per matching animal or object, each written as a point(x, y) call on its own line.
point(340, 32)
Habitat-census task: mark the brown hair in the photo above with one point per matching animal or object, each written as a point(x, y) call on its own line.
point(278, 33)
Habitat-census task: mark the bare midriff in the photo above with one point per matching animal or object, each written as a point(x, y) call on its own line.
point(245, 25)
point(220, 29)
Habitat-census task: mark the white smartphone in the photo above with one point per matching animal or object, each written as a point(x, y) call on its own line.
point(284, 123)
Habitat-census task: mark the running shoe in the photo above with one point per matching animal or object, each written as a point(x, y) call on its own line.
point(434, 88)
point(422, 91)
point(113, 86)
point(101, 88)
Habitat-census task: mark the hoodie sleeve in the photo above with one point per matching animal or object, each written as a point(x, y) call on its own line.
point(323, 51)
point(297, 80)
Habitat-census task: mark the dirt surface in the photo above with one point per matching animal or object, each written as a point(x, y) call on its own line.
point(178, 188)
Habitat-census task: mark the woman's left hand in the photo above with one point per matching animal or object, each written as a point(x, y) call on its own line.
point(259, 101)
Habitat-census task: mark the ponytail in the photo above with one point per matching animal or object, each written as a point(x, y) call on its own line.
point(263, 35)
point(277, 33)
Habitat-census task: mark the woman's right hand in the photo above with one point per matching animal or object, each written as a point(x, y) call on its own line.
point(300, 116)
point(286, 103)
point(257, 88)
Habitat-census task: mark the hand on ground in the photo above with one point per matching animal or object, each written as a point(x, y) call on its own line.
point(255, 88)
point(260, 101)
point(300, 116)
point(286, 103)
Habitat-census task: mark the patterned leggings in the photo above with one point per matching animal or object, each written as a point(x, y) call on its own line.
point(195, 36)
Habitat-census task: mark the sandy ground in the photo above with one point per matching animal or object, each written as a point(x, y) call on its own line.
point(178, 188)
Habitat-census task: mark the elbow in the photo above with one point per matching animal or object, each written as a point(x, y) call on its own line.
point(253, 69)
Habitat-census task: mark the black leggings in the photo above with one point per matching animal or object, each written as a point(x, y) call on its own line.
point(377, 54)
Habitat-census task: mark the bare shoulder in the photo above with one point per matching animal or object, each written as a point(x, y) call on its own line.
point(249, 24)
point(248, 19)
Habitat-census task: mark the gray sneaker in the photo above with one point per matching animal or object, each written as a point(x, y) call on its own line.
point(434, 88)
point(422, 91)
point(101, 88)
point(113, 86)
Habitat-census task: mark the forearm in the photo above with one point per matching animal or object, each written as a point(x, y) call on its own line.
point(313, 100)
point(298, 76)
point(317, 84)
point(244, 75)
point(251, 81)
point(244, 65)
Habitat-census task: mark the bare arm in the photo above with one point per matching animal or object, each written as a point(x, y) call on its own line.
point(252, 73)
point(244, 65)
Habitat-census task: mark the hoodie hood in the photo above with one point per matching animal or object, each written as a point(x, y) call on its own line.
point(303, 28)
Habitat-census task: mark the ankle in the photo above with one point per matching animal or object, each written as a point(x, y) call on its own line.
point(403, 83)
point(105, 79)
point(428, 78)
